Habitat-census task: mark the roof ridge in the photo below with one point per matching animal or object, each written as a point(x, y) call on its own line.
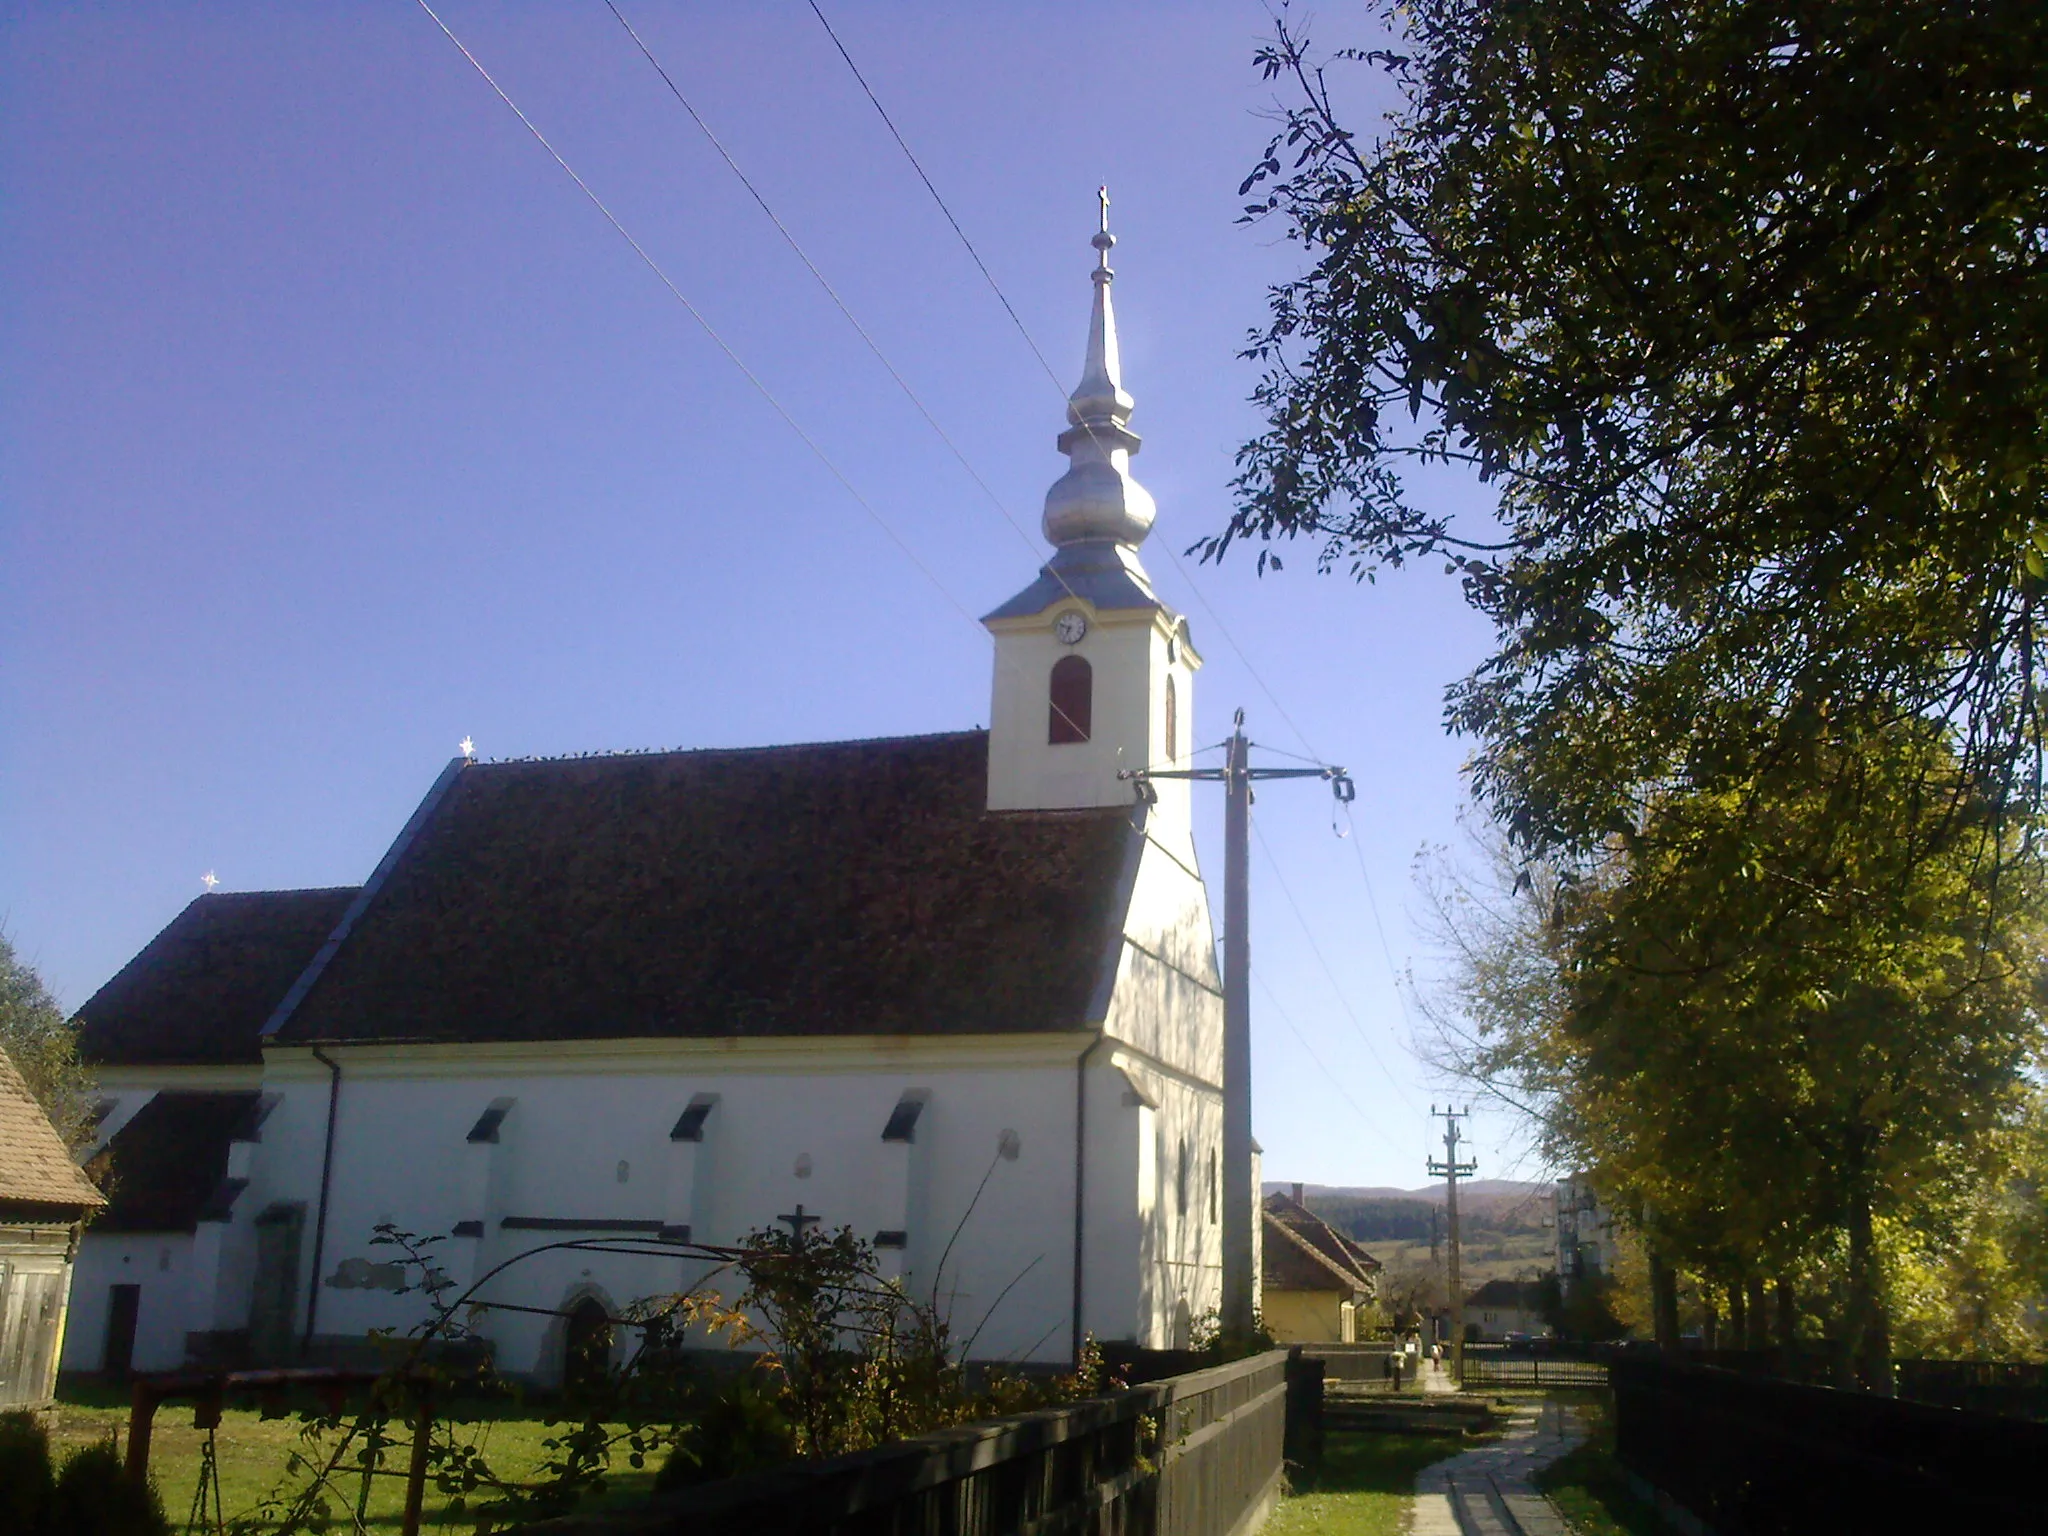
point(740, 751)
point(1352, 1276)
point(283, 890)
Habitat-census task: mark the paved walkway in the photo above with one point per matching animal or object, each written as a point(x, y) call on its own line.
point(1490, 1491)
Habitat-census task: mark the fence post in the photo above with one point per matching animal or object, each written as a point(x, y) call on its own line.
point(1303, 1437)
point(142, 1402)
point(416, 1473)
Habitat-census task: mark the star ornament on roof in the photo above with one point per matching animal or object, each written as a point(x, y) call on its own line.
point(468, 747)
point(209, 880)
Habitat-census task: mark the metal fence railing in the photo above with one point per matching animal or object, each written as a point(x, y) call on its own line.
point(1508, 1367)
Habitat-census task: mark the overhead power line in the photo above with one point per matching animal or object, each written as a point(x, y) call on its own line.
point(1329, 1076)
point(1038, 352)
point(832, 292)
point(697, 315)
point(1223, 629)
point(1317, 950)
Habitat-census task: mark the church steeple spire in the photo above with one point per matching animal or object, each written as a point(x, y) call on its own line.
point(1096, 499)
point(1094, 674)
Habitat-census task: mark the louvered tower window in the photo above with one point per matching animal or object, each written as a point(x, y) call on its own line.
point(1073, 700)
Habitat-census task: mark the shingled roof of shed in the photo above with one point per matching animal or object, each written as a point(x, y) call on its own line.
point(826, 889)
point(201, 991)
point(35, 1169)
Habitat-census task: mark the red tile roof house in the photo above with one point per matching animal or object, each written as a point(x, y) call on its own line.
point(927, 986)
point(1316, 1281)
point(44, 1201)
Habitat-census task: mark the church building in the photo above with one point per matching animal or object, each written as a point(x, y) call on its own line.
point(958, 992)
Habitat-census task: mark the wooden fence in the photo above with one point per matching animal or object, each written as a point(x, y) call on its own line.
point(1750, 1456)
point(1194, 1455)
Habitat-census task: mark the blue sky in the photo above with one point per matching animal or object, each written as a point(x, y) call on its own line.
point(335, 425)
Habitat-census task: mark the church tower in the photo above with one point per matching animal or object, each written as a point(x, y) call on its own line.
point(1093, 673)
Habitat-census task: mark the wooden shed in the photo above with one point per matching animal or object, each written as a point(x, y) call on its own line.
point(44, 1202)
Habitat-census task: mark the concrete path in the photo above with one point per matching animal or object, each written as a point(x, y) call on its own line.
point(1490, 1491)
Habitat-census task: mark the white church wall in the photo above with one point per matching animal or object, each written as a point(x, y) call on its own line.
point(795, 1122)
point(1118, 1206)
point(160, 1263)
point(224, 1252)
point(1144, 1258)
point(1168, 1002)
point(286, 1167)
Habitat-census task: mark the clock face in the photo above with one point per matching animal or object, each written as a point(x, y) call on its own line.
point(1071, 627)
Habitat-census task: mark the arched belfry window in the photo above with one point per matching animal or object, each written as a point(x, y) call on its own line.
point(1073, 700)
point(1172, 723)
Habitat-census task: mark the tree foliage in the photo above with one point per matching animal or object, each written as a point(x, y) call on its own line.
point(1791, 1027)
point(44, 1046)
point(1742, 306)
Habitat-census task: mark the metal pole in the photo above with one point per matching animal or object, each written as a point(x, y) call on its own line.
point(1240, 1200)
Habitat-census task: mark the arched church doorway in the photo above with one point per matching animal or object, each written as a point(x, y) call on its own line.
point(1183, 1325)
point(586, 1346)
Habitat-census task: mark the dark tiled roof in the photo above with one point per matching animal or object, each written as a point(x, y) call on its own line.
point(35, 1168)
point(841, 888)
point(166, 1169)
point(201, 991)
point(1302, 1252)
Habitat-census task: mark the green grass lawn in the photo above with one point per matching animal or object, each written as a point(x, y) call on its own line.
point(1588, 1487)
point(1365, 1487)
point(253, 1452)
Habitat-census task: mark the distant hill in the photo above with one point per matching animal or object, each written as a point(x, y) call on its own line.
point(1488, 1189)
point(1504, 1215)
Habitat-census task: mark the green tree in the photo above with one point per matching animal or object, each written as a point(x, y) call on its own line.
point(1807, 1011)
point(1788, 1026)
point(44, 1046)
point(1743, 307)
point(1969, 1274)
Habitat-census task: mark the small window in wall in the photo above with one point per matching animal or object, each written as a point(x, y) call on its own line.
point(1180, 1180)
point(1172, 723)
point(1073, 700)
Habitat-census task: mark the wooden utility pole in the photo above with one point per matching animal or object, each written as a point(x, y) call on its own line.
point(1240, 1200)
point(1450, 1170)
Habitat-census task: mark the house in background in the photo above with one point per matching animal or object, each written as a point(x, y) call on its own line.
point(1503, 1307)
point(1315, 1281)
point(45, 1200)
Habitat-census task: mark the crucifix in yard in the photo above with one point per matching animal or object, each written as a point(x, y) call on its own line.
point(798, 1219)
